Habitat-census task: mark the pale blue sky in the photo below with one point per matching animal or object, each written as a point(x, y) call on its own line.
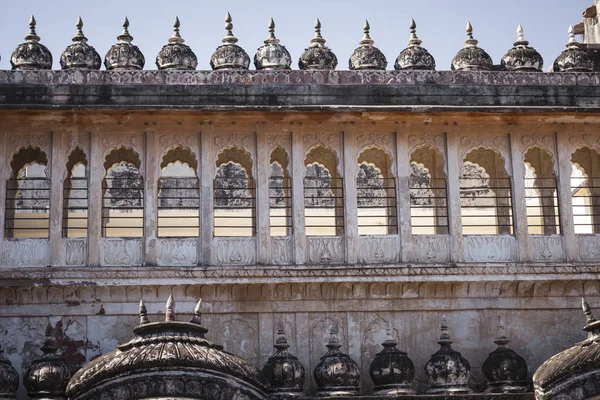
point(441, 25)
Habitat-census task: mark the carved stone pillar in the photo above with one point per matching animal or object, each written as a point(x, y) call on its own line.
point(453, 194)
point(150, 197)
point(206, 198)
point(56, 197)
point(96, 175)
point(519, 204)
point(298, 198)
point(403, 195)
point(565, 202)
point(263, 167)
point(349, 164)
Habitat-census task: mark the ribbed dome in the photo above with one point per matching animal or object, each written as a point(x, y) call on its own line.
point(317, 55)
point(9, 378)
point(521, 57)
point(448, 371)
point(505, 370)
point(574, 58)
point(367, 56)
point(283, 370)
point(31, 54)
point(392, 371)
point(175, 54)
point(573, 374)
point(337, 374)
point(229, 55)
point(80, 54)
point(168, 360)
point(414, 56)
point(124, 55)
point(471, 57)
point(47, 377)
point(272, 55)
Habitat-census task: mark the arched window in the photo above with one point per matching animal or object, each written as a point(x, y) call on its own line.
point(178, 195)
point(323, 194)
point(485, 195)
point(122, 195)
point(428, 197)
point(234, 194)
point(75, 196)
point(280, 194)
point(28, 196)
point(541, 194)
point(585, 189)
point(376, 194)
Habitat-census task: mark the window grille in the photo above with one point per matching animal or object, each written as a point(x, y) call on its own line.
point(75, 208)
point(27, 208)
point(486, 206)
point(428, 205)
point(123, 206)
point(324, 205)
point(234, 206)
point(586, 201)
point(541, 200)
point(376, 201)
point(280, 205)
point(178, 207)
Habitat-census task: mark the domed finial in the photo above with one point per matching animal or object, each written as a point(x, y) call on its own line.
point(281, 342)
point(125, 37)
point(176, 38)
point(444, 336)
point(229, 37)
point(143, 313)
point(271, 38)
point(318, 38)
point(366, 40)
point(470, 41)
point(170, 314)
point(414, 40)
point(334, 341)
point(502, 340)
point(32, 35)
point(49, 348)
point(197, 318)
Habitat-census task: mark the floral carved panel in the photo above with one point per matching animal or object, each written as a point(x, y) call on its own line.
point(26, 252)
point(325, 249)
point(546, 248)
point(498, 248)
point(121, 252)
point(76, 251)
point(430, 249)
point(235, 251)
point(380, 249)
point(589, 247)
point(177, 252)
point(282, 250)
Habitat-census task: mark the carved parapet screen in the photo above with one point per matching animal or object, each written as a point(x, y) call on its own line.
point(234, 251)
point(380, 249)
point(177, 252)
point(121, 252)
point(496, 248)
point(282, 250)
point(430, 249)
point(75, 251)
point(588, 247)
point(546, 248)
point(26, 253)
point(326, 249)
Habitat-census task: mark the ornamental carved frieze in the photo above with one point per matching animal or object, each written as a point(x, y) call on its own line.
point(585, 140)
point(282, 141)
point(16, 141)
point(180, 139)
point(540, 140)
point(244, 141)
point(331, 140)
point(427, 139)
point(385, 141)
point(111, 142)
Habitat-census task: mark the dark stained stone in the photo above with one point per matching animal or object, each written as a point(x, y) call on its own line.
point(9, 379)
point(283, 370)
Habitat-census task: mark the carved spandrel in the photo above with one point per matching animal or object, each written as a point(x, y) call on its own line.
point(540, 140)
point(330, 140)
point(184, 140)
point(426, 139)
point(326, 249)
point(383, 140)
point(585, 140)
point(114, 141)
point(283, 141)
point(26, 252)
point(546, 248)
point(499, 248)
point(121, 252)
point(177, 252)
point(431, 249)
point(384, 249)
point(244, 141)
point(499, 143)
point(282, 250)
point(235, 251)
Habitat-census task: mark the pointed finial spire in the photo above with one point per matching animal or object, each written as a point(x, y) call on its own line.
point(79, 36)
point(143, 313)
point(389, 337)
point(587, 311)
point(170, 314)
point(334, 341)
point(572, 40)
point(414, 40)
point(271, 38)
point(32, 35)
point(318, 38)
point(229, 36)
point(444, 336)
point(502, 340)
point(125, 37)
point(470, 41)
point(176, 38)
point(49, 348)
point(366, 40)
point(197, 318)
point(281, 343)
point(520, 37)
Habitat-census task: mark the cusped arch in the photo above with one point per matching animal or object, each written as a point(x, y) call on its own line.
point(122, 154)
point(280, 156)
point(325, 156)
point(77, 156)
point(26, 156)
point(179, 153)
point(540, 160)
point(379, 158)
point(491, 160)
point(423, 155)
point(235, 155)
point(587, 158)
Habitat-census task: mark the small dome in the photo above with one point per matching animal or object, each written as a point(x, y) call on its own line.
point(471, 57)
point(283, 370)
point(573, 374)
point(414, 56)
point(47, 377)
point(272, 55)
point(175, 54)
point(392, 371)
point(31, 54)
point(169, 359)
point(9, 378)
point(337, 374)
point(521, 57)
point(574, 58)
point(317, 55)
point(80, 54)
point(229, 55)
point(448, 371)
point(123, 54)
point(505, 370)
point(367, 56)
